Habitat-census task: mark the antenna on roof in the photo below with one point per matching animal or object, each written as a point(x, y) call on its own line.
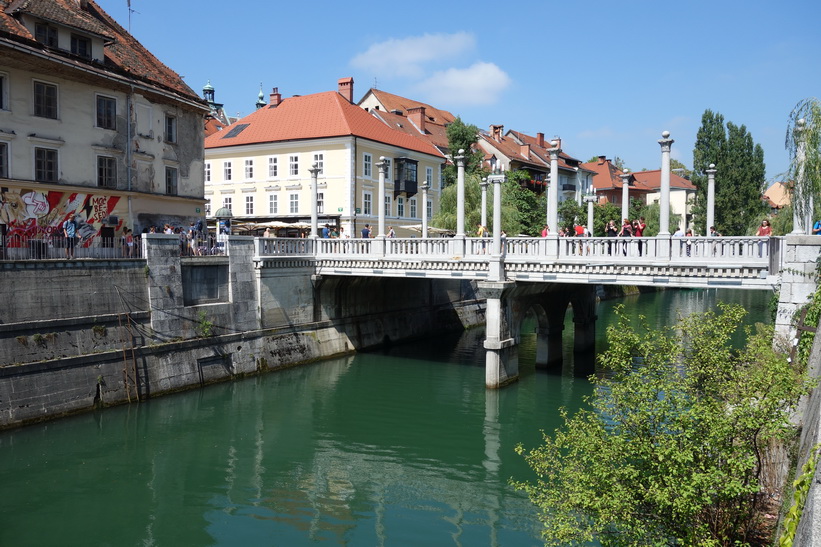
point(130, 11)
point(374, 83)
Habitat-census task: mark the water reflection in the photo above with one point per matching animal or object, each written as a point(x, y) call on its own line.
point(404, 446)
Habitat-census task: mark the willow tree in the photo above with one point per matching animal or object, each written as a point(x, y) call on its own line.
point(804, 145)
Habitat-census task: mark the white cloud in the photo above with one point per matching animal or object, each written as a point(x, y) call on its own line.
point(406, 56)
point(480, 84)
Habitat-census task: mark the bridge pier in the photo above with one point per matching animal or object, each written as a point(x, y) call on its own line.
point(502, 353)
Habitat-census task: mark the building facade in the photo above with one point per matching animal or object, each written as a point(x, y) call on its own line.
point(260, 166)
point(92, 126)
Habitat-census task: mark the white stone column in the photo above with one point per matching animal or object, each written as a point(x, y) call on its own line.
point(383, 173)
point(460, 194)
point(553, 189)
point(711, 198)
point(625, 194)
point(664, 201)
point(590, 199)
point(425, 186)
point(800, 224)
point(314, 171)
point(496, 267)
point(483, 185)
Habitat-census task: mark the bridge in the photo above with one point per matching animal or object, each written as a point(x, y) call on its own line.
point(545, 276)
point(682, 262)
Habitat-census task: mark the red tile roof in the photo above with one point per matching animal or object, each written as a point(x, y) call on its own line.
point(437, 135)
point(540, 148)
point(123, 53)
point(652, 180)
point(608, 177)
point(395, 102)
point(317, 116)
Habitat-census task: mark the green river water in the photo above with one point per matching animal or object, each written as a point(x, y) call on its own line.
point(400, 447)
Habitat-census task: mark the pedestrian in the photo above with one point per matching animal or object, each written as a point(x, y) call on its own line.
point(343, 234)
point(391, 233)
point(688, 241)
point(545, 231)
point(816, 228)
point(266, 233)
point(326, 231)
point(366, 231)
point(70, 233)
point(765, 230)
point(610, 231)
point(626, 231)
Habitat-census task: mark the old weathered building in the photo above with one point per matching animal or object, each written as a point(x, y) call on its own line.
point(91, 124)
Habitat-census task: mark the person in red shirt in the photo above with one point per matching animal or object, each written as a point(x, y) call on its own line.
point(638, 230)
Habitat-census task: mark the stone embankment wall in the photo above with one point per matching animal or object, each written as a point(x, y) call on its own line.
point(104, 333)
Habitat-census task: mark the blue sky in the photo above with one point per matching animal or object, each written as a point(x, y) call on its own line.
point(607, 77)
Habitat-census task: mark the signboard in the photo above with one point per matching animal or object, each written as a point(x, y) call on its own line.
point(198, 210)
point(339, 209)
point(358, 210)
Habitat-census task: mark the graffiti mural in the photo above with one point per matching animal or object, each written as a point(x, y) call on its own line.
point(33, 214)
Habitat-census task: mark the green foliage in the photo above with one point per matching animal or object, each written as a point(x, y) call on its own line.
point(806, 338)
point(523, 211)
point(740, 176)
point(462, 136)
point(805, 168)
point(670, 450)
point(571, 212)
point(802, 488)
point(680, 169)
point(204, 326)
point(602, 214)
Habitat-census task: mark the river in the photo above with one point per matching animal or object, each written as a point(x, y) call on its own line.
point(400, 447)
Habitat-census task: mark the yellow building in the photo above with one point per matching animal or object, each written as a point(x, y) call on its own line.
point(258, 167)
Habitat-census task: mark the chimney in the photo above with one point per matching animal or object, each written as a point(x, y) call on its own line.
point(602, 159)
point(496, 132)
point(83, 4)
point(276, 98)
point(345, 88)
point(540, 140)
point(525, 151)
point(417, 116)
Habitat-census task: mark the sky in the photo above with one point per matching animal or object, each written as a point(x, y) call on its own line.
point(607, 77)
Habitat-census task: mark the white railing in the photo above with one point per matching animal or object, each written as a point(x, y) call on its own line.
point(737, 251)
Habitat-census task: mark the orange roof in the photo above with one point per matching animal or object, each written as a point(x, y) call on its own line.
point(437, 135)
point(608, 177)
point(395, 102)
point(778, 194)
point(541, 147)
point(212, 125)
point(652, 180)
point(317, 116)
point(123, 54)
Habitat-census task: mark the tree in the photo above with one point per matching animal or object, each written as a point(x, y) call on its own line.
point(680, 169)
point(570, 212)
point(805, 170)
point(670, 450)
point(740, 174)
point(462, 136)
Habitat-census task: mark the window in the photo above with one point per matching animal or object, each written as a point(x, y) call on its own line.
point(273, 204)
point(208, 208)
point(400, 206)
point(226, 202)
point(320, 202)
point(45, 34)
point(171, 181)
point(106, 172)
point(106, 112)
point(4, 95)
point(273, 169)
point(81, 46)
point(430, 209)
point(410, 171)
point(208, 172)
point(429, 176)
point(4, 160)
point(367, 165)
point(226, 170)
point(412, 203)
point(45, 165)
point(170, 129)
point(249, 169)
point(319, 160)
point(388, 171)
point(367, 199)
point(441, 178)
point(293, 200)
point(249, 205)
point(45, 100)
point(388, 205)
point(294, 163)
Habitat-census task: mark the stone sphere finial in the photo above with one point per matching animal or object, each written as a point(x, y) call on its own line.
point(381, 158)
point(665, 134)
point(461, 151)
point(712, 166)
point(554, 143)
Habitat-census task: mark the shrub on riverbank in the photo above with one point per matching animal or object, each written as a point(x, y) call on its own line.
point(670, 450)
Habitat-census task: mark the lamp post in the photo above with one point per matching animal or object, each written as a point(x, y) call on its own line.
point(664, 201)
point(425, 188)
point(314, 171)
point(625, 194)
point(483, 185)
point(711, 197)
